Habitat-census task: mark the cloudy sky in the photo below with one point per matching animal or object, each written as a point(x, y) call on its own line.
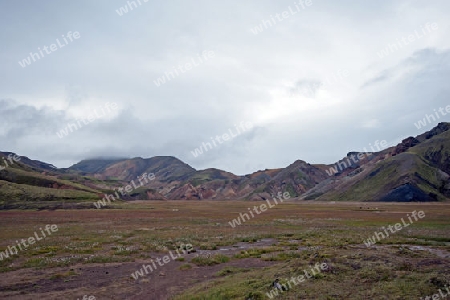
point(321, 79)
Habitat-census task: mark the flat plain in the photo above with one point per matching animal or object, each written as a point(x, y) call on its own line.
point(95, 252)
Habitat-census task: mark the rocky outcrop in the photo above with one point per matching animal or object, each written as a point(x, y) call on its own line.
point(408, 193)
point(185, 192)
point(405, 145)
point(440, 128)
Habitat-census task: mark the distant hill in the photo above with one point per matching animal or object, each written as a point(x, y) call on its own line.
point(177, 180)
point(94, 165)
point(417, 169)
point(166, 168)
point(33, 184)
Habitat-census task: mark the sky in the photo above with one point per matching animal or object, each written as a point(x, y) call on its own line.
point(313, 80)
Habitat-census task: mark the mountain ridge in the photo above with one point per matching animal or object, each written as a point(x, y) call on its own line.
point(417, 169)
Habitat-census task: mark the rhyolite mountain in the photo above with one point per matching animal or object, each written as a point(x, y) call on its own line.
point(177, 180)
point(27, 183)
point(417, 169)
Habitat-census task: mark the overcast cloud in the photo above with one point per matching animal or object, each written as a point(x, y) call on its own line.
point(313, 85)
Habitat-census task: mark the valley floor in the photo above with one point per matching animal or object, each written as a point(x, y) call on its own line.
point(101, 253)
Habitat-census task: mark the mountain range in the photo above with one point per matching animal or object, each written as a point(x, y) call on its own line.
point(417, 169)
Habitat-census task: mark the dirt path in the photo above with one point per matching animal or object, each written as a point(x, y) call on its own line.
point(114, 281)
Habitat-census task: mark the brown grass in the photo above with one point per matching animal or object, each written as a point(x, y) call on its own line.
point(136, 232)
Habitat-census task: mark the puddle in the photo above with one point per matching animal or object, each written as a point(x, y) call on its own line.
point(260, 243)
point(438, 252)
point(314, 248)
point(237, 247)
